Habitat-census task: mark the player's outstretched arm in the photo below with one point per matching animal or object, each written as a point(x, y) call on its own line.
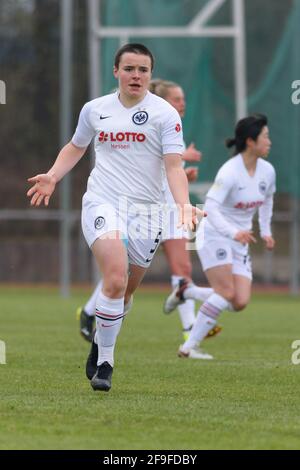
point(42, 189)
point(44, 184)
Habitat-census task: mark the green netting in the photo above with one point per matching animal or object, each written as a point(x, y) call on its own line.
point(273, 97)
point(204, 68)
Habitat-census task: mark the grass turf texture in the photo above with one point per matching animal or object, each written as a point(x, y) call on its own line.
point(247, 398)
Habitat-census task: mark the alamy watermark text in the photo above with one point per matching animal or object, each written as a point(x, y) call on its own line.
point(2, 92)
point(295, 97)
point(2, 352)
point(296, 354)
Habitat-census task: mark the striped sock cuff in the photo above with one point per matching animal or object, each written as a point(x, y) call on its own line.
point(108, 317)
point(210, 310)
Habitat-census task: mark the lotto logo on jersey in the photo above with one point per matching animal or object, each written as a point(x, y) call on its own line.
point(121, 137)
point(248, 205)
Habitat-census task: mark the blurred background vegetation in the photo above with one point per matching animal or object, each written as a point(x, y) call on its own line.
point(29, 129)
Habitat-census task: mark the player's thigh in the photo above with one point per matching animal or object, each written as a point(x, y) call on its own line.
point(178, 257)
point(100, 220)
point(220, 278)
point(111, 255)
point(216, 259)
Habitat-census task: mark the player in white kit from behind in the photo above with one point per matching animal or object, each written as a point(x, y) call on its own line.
point(175, 240)
point(243, 185)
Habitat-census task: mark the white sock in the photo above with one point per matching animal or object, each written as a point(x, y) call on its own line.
point(109, 315)
point(90, 306)
point(198, 293)
point(202, 293)
point(187, 309)
point(206, 319)
point(128, 306)
point(175, 280)
point(187, 314)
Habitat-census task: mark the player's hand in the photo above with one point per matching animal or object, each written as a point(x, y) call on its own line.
point(269, 242)
point(189, 217)
point(245, 237)
point(41, 190)
point(191, 154)
point(191, 173)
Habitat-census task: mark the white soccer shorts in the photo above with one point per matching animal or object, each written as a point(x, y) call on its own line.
point(218, 252)
point(141, 228)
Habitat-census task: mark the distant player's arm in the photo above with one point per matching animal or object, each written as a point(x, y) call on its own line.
point(44, 184)
point(217, 194)
point(265, 213)
point(222, 226)
point(191, 154)
point(191, 173)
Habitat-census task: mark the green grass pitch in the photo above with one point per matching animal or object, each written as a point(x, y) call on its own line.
point(247, 398)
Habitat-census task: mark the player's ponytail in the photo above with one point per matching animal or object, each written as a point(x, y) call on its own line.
point(248, 127)
point(230, 142)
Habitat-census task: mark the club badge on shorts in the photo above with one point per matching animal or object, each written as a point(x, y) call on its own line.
point(221, 254)
point(99, 223)
point(140, 117)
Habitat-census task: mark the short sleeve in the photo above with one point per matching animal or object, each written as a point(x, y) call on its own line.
point(84, 131)
point(171, 134)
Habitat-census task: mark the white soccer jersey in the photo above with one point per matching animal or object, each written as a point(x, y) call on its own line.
point(240, 194)
point(129, 146)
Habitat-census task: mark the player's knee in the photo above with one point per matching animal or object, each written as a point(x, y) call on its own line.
point(227, 292)
point(239, 305)
point(115, 285)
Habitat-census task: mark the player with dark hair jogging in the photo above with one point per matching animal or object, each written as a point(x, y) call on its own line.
point(243, 185)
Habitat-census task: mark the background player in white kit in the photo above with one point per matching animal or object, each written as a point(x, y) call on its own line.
point(173, 238)
point(135, 134)
point(243, 184)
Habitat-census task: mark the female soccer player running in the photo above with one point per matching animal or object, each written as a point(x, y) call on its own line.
point(136, 133)
point(243, 184)
point(173, 238)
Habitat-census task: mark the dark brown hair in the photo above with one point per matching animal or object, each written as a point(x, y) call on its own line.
point(248, 127)
point(136, 48)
